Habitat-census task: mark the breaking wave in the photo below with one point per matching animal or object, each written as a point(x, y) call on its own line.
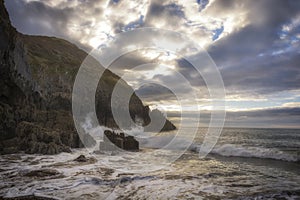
point(230, 150)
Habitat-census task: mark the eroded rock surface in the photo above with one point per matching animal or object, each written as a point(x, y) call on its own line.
point(112, 141)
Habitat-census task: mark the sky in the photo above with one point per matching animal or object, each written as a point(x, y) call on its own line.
point(254, 44)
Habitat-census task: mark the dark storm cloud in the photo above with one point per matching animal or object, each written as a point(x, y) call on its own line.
point(33, 17)
point(157, 9)
point(276, 117)
point(272, 117)
point(275, 112)
point(265, 75)
point(169, 13)
point(237, 54)
point(38, 18)
point(190, 73)
point(155, 92)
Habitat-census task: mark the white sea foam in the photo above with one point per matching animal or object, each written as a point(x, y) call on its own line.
point(88, 181)
point(255, 152)
point(95, 131)
point(178, 143)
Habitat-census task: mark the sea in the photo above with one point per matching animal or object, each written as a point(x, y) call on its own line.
point(245, 163)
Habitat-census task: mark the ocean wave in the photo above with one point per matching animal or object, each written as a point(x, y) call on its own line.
point(229, 150)
point(254, 152)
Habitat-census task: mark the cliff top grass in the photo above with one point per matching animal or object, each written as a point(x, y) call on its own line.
point(52, 56)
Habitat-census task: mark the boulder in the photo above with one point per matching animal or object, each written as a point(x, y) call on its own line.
point(43, 173)
point(112, 141)
point(81, 158)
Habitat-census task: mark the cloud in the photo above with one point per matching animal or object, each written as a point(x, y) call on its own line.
point(255, 58)
point(69, 20)
point(291, 104)
point(265, 75)
point(274, 117)
point(255, 44)
point(288, 117)
point(164, 15)
point(154, 92)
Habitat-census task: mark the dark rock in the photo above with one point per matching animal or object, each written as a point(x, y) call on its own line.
point(106, 171)
point(10, 150)
point(125, 179)
point(130, 143)
point(43, 173)
point(81, 158)
point(112, 140)
point(85, 160)
point(28, 197)
point(157, 118)
point(9, 146)
point(35, 139)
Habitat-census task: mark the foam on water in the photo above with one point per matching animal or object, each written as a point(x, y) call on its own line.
point(256, 152)
point(188, 177)
point(232, 150)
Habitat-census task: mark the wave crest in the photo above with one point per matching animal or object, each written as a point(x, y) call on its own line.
point(254, 152)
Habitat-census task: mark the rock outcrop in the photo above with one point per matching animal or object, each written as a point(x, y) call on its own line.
point(33, 138)
point(41, 173)
point(81, 158)
point(158, 118)
point(112, 141)
point(36, 80)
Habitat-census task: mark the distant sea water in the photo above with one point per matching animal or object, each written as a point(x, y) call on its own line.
point(245, 164)
point(277, 144)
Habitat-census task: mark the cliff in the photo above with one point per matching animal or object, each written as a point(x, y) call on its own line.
point(36, 80)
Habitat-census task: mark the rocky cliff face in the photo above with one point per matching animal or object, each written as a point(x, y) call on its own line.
point(36, 80)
